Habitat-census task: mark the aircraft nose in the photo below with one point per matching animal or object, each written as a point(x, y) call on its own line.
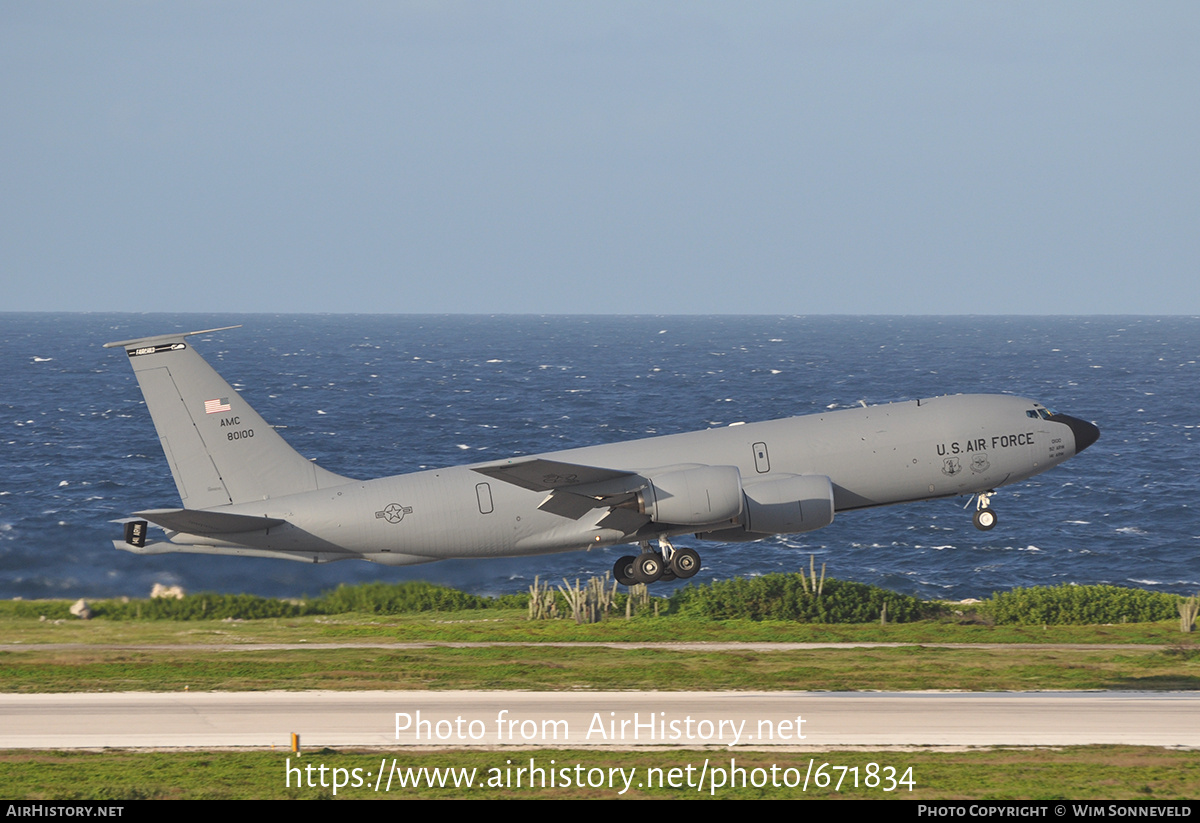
point(1085, 433)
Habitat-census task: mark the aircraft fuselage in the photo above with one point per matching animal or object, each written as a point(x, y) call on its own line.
point(874, 456)
point(245, 491)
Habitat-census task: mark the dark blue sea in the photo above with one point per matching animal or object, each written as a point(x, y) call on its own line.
point(370, 395)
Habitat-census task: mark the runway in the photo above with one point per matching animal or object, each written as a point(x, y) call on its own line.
point(621, 720)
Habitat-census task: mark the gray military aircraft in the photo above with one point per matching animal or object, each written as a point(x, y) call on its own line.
point(246, 492)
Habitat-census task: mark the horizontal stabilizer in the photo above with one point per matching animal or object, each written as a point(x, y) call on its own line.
point(160, 339)
point(164, 547)
point(546, 475)
point(194, 521)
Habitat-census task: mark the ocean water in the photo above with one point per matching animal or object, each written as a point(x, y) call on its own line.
point(370, 395)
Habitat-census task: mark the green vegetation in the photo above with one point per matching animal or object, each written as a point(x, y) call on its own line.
point(210, 641)
point(513, 626)
point(216, 642)
point(406, 598)
point(775, 597)
point(788, 597)
point(1080, 605)
point(1079, 773)
point(558, 667)
point(367, 598)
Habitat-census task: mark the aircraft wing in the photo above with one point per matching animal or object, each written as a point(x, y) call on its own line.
point(577, 490)
point(540, 475)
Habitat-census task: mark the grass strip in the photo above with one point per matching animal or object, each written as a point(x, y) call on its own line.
point(1077, 773)
point(507, 625)
point(554, 668)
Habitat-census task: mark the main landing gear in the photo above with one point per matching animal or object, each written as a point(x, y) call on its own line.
point(666, 564)
point(985, 517)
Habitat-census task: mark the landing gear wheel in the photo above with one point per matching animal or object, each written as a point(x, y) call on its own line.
point(667, 575)
point(985, 520)
point(685, 563)
point(623, 570)
point(648, 568)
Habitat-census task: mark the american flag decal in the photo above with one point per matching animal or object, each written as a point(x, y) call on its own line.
point(215, 406)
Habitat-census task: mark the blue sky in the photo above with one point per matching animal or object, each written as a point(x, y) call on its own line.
point(609, 157)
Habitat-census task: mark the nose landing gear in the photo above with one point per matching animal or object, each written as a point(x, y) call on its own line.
point(985, 516)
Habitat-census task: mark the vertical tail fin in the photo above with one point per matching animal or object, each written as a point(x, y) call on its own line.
point(219, 449)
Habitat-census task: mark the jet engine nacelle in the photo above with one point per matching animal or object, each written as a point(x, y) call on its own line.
point(701, 496)
point(800, 503)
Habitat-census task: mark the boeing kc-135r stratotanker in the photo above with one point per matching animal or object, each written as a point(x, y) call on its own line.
point(246, 492)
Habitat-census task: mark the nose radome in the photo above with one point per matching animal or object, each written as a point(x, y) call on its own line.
point(1085, 433)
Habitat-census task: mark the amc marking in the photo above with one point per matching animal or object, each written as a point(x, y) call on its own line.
point(239, 434)
point(393, 512)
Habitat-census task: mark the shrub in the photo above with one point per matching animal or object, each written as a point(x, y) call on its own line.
point(398, 598)
point(1080, 605)
point(204, 606)
point(50, 609)
point(786, 597)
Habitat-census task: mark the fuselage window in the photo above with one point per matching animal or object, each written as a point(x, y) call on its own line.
point(762, 462)
point(484, 493)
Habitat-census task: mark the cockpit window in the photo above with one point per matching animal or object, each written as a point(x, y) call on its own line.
point(1044, 414)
